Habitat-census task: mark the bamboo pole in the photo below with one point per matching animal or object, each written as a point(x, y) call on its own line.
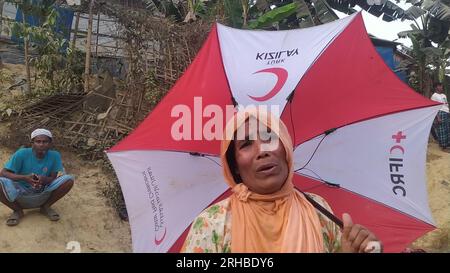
point(98, 32)
point(88, 47)
point(75, 32)
point(27, 57)
point(1, 16)
point(244, 13)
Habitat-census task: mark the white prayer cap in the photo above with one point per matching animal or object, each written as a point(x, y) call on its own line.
point(41, 132)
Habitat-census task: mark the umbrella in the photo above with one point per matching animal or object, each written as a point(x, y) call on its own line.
point(360, 134)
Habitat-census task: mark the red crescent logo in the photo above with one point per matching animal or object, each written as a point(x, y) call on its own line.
point(397, 147)
point(158, 242)
point(281, 74)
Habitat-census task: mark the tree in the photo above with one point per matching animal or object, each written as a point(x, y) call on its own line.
point(288, 14)
point(55, 64)
point(430, 44)
point(27, 8)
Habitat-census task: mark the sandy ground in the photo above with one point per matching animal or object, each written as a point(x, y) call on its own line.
point(438, 174)
point(85, 218)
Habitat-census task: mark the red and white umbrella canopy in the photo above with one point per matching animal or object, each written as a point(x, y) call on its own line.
point(360, 134)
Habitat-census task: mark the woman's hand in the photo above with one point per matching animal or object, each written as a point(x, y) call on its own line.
point(356, 238)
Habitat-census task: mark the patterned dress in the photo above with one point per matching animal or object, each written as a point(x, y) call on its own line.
point(211, 230)
point(443, 127)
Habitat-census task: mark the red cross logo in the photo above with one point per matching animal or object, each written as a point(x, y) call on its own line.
point(398, 137)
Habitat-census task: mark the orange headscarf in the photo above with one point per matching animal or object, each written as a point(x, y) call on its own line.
point(283, 221)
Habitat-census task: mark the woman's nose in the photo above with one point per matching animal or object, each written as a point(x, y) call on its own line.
point(262, 153)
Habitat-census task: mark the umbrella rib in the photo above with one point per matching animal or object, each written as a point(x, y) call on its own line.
point(321, 179)
point(363, 196)
point(290, 114)
point(214, 162)
point(312, 155)
point(334, 185)
point(326, 133)
point(323, 210)
point(204, 156)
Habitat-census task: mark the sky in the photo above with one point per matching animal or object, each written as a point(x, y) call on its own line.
point(382, 29)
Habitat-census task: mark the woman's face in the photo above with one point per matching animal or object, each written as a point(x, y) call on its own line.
point(262, 170)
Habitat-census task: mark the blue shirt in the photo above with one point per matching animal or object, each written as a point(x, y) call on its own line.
point(25, 162)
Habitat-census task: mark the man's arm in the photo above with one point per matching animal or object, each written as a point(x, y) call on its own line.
point(437, 119)
point(16, 177)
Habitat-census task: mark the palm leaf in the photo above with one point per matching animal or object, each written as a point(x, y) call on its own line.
point(275, 15)
point(414, 12)
point(233, 12)
point(302, 9)
point(262, 5)
point(432, 52)
point(406, 33)
point(439, 9)
point(414, 2)
point(324, 11)
point(151, 6)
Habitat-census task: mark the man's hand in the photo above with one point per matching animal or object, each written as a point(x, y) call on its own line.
point(44, 180)
point(355, 238)
point(33, 180)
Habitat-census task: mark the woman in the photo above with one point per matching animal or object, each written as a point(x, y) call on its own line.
point(265, 213)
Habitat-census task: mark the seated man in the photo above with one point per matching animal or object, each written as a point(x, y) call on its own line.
point(34, 174)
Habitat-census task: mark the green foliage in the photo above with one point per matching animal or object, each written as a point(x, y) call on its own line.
point(215, 240)
point(153, 94)
point(429, 60)
point(438, 8)
point(274, 16)
point(37, 9)
point(58, 68)
point(200, 7)
point(6, 77)
point(167, 8)
point(260, 14)
point(233, 13)
point(323, 11)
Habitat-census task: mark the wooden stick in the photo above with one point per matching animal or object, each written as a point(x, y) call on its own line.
point(98, 31)
point(75, 32)
point(104, 96)
point(26, 55)
point(81, 123)
point(88, 48)
point(123, 125)
point(81, 117)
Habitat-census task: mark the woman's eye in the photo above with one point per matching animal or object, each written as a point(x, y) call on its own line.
point(246, 143)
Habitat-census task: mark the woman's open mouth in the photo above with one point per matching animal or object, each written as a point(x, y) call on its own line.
point(266, 168)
